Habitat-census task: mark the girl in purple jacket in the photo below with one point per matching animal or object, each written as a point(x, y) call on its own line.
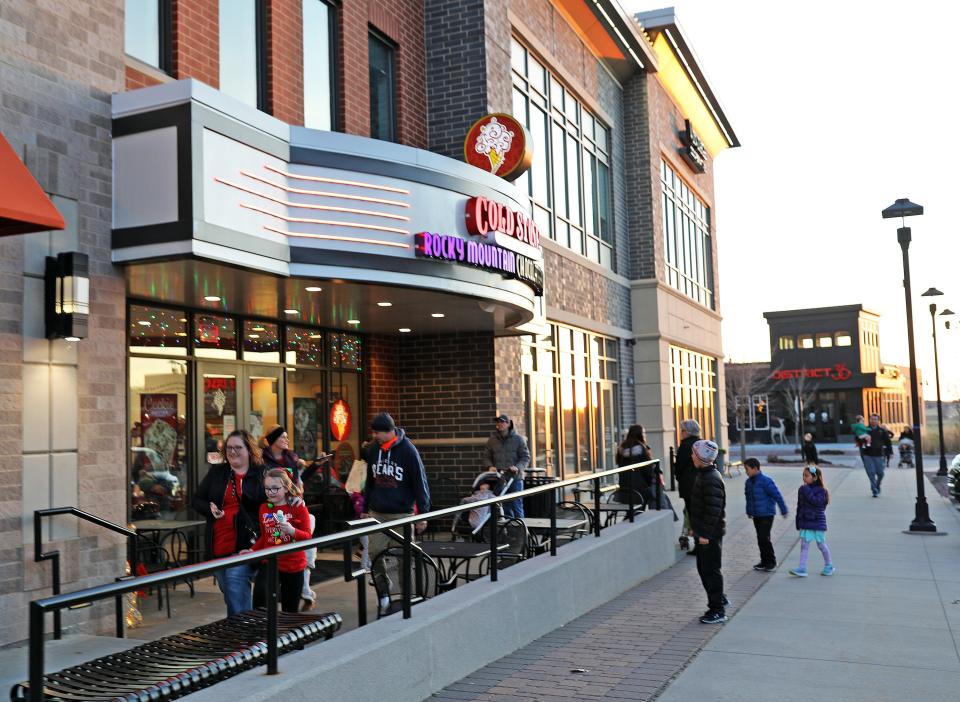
point(812, 501)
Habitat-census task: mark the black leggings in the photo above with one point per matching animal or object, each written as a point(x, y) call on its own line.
point(291, 585)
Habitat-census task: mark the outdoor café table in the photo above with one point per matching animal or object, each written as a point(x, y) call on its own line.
point(452, 554)
point(613, 510)
point(166, 533)
point(539, 528)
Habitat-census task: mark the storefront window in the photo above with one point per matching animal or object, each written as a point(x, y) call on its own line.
point(261, 342)
point(688, 250)
point(693, 388)
point(157, 415)
point(214, 336)
point(157, 331)
point(344, 351)
point(304, 346)
point(318, 64)
point(574, 205)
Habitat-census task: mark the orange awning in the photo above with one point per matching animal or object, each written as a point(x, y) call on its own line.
point(24, 207)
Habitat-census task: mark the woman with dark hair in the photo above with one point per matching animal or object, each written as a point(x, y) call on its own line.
point(634, 449)
point(229, 496)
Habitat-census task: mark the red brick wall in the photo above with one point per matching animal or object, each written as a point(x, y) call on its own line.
point(196, 41)
point(382, 378)
point(285, 60)
point(137, 79)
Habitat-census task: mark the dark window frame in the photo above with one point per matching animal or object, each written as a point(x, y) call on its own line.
point(374, 35)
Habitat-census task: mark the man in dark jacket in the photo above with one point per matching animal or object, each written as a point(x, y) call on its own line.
point(686, 473)
point(507, 452)
point(874, 453)
point(708, 501)
point(396, 480)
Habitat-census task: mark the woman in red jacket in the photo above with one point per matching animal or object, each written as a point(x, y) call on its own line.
point(281, 523)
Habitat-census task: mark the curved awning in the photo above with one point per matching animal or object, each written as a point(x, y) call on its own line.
point(24, 207)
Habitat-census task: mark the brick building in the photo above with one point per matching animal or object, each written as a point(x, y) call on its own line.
point(248, 180)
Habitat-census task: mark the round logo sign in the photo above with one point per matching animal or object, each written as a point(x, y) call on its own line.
point(340, 420)
point(499, 144)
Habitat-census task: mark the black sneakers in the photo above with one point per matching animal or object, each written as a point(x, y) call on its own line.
point(714, 617)
point(765, 568)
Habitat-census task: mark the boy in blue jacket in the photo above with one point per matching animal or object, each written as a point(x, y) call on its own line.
point(763, 497)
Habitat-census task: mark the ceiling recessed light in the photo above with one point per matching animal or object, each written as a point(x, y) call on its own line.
point(183, 319)
point(404, 330)
point(71, 338)
point(353, 321)
point(291, 311)
point(143, 323)
point(259, 329)
point(438, 315)
point(181, 333)
point(316, 336)
point(384, 304)
point(313, 288)
point(253, 336)
point(212, 298)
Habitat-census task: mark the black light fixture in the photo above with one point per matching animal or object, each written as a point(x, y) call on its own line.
point(67, 296)
point(921, 524)
point(933, 292)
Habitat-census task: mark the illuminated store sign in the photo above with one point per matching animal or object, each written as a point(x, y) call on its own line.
point(341, 420)
point(499, 144)
point(836, 372)
point(485, 216)
point(693, 151)
point(445, 247)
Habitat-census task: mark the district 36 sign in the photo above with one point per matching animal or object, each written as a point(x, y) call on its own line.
point(499, 144)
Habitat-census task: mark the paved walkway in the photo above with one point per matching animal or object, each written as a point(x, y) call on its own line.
point(633, 646)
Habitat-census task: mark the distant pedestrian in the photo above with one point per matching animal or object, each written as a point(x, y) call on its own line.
point(634, 449)
point(873, 453)
point(809, 451)
point(763, 498)
point(812, 501)
point(686, 473)
point(707, 506)
point(508, 454)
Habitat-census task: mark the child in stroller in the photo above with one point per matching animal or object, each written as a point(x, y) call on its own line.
point(488, 484)
point(905, 447)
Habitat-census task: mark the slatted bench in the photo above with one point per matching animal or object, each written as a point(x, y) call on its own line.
point(174, 666)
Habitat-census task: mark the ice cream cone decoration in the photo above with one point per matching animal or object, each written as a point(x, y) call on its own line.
point(495, 160)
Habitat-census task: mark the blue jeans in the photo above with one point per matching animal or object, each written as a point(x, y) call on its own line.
point(236, 584)
point(874, 466)
point(514, 508)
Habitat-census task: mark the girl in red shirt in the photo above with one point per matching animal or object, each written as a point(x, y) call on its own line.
point(281, 523)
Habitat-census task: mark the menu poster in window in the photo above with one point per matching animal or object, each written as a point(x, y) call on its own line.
point(158, 422)
point(305, 427)
point(219, 397)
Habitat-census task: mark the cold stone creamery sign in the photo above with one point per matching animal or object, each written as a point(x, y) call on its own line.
point(499, 144)
point(485, 216)
point(445, 247)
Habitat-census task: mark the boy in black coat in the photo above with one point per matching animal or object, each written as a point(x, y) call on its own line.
point(708, 501)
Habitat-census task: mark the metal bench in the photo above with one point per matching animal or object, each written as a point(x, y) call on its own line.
point(174, 666)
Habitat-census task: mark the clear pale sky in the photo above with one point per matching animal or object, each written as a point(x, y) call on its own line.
point(841, 108)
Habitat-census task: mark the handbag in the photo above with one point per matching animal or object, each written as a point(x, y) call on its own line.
point(246, 530)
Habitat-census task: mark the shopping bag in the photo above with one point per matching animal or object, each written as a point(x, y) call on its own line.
point(357, 477)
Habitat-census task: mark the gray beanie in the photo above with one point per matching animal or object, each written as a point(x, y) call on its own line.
point(706, 450)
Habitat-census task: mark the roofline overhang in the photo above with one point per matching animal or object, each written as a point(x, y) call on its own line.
point(665, 21)
point(625, 32)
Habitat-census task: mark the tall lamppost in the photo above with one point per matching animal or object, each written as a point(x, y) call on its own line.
point(921, 524)
point(933, 292)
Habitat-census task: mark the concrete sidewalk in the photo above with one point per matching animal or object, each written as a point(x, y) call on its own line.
point(885, 627)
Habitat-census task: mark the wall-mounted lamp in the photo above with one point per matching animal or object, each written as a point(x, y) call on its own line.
point(67, 296)
point(631, 342)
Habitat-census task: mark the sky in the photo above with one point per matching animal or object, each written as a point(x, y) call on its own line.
point(841, 108)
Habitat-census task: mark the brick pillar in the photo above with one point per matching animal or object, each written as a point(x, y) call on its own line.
point(285, 60)
point(196, 41)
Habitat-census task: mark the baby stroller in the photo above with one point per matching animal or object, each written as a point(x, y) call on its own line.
point(905, 447)
point(488, 484)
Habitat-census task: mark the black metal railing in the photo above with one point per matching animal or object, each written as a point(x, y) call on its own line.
point(58, 602)
point(40, 555)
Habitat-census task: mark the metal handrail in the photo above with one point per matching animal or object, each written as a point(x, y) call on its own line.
point(40, 555)
point(57, 602)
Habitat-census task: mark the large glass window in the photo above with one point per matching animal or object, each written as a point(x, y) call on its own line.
point(570, 394)
point(569, 183)
point(687, 248)
point(318, 62)
point(240, 50)
point(146, 31)
point(383, 97)
point(693, 389)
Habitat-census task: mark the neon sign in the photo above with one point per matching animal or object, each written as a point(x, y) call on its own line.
point(446, 247)
point(341, 420)
point(838, 372)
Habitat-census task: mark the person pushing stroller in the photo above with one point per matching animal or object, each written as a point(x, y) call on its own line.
point(507, 452)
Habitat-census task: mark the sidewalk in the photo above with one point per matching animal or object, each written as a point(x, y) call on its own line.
point(886, 627)
point(633, 646)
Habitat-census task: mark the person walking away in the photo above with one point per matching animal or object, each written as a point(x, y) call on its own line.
point(763, 498)
point(808, 451)
point(686, 473)
point(634, 449)
point(708, 501)
point(873, 453)
point(280, 523)
point(812, 501)
point(508, 453)
point(396, 480)
point(229, 496)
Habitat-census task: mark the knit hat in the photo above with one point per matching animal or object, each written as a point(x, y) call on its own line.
point(706, 450)
point(383, 422)
point(502, 418)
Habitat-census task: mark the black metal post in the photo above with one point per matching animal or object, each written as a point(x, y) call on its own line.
point(57, 628)
point(405, 582)
point(272, 587)
point(673, 479)
point(118, 611)
point(936, 365)
point(659, 491)
point(36, 653)
point(921, 521)
point(630, 500)
point(596, 507)
point(553, 522)
point(494, 545)
point(362, 600)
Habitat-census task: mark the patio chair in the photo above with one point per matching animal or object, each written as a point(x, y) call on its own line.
point(425, 579)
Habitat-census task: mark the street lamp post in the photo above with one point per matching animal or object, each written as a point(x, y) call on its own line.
point(921, 524)
point(933, 292)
